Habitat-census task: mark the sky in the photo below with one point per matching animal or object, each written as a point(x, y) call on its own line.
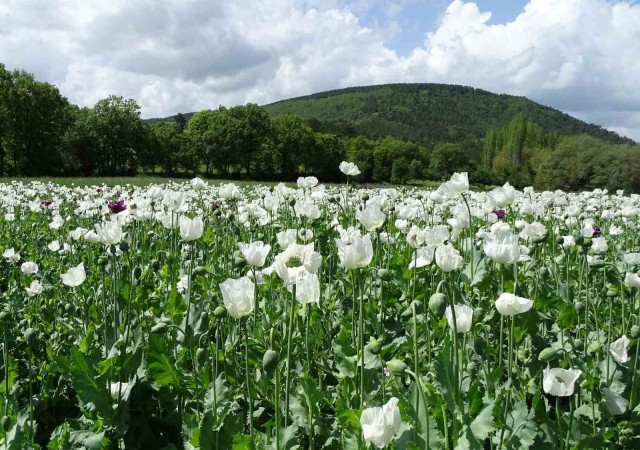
point(579, 56)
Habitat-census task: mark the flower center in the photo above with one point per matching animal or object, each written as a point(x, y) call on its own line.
point(294, 261)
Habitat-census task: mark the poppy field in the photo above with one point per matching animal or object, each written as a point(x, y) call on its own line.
point(200, 316)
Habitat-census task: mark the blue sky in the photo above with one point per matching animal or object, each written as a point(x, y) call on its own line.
point(417, 17)
point(187, 55)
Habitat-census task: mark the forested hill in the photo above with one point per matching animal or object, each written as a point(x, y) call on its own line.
point(426, 113)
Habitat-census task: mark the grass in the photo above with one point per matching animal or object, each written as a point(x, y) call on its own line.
point(145, 180)
point(120, 181)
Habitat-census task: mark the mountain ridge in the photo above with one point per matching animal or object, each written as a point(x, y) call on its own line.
point(424, 113)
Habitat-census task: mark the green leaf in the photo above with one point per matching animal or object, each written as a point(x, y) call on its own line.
point(350, 428)
point(482, 425)
point(160, 366)
point(522, 427)
point(345, 355)
point(13, 374)
point(242, 442)
point(87, 439)
point(288, 439)
point(92, 392)
point(207, 433)
point(217, 396)
point(444, 375)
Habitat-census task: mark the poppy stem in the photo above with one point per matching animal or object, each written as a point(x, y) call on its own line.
point(246, 360)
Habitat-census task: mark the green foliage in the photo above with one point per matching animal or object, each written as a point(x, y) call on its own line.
point(396, 133)
point(426, 113)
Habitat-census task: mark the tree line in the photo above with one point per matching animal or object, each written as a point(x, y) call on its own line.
point(523, 154)
point(43, 134)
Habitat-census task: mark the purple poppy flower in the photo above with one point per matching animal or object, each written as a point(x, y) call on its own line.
point(46, 202)
point(500, 213)
point(117, 207)
point(596, 231)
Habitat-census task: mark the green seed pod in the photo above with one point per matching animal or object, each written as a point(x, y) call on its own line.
point(544, 272)
point(364, 196)
point(478, 315)
point(548, 354)
point(155, 265)
point(199, 271)
point(587, 242)
point(374, 346)
point(239, 263)
point(480, 345)
point(103, 261)
point(580, 240)
point(438, 304)
point(137, 272)
point(578, 344)
point(219, 311)
point(611, 293)
point(4, 316)
point(396, 367)
point(201, 356)
point(635, 332)
point(384, 274)
point(560, 240)
point(579, 306)
point(124, 246)
point(6, 424)
point(30, 336)
point(160, 328)
point(269, 361)
point(70, 309)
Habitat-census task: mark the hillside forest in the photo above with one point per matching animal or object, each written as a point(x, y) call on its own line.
point(444, 129)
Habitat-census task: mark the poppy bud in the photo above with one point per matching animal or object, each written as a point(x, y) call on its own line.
point(384, 274)
point(30, 336)
point(159, 328)
point(437, 304)
point(548, 354)
point(374, 346)
point(201, 356)
point(396, 367)
point(269, 361)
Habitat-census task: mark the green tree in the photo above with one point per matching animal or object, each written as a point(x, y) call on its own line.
point(164, 145)
point(36, 117)
point(445, 159)
point(360, 150)
point(253, 132)
point(217, 137)
point(293, 140)
point(117, 135)
point(325, 160)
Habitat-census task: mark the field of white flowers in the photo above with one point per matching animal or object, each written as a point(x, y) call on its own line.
point(211, 317)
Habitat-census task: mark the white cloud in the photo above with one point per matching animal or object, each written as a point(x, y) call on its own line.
point(582, 56)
